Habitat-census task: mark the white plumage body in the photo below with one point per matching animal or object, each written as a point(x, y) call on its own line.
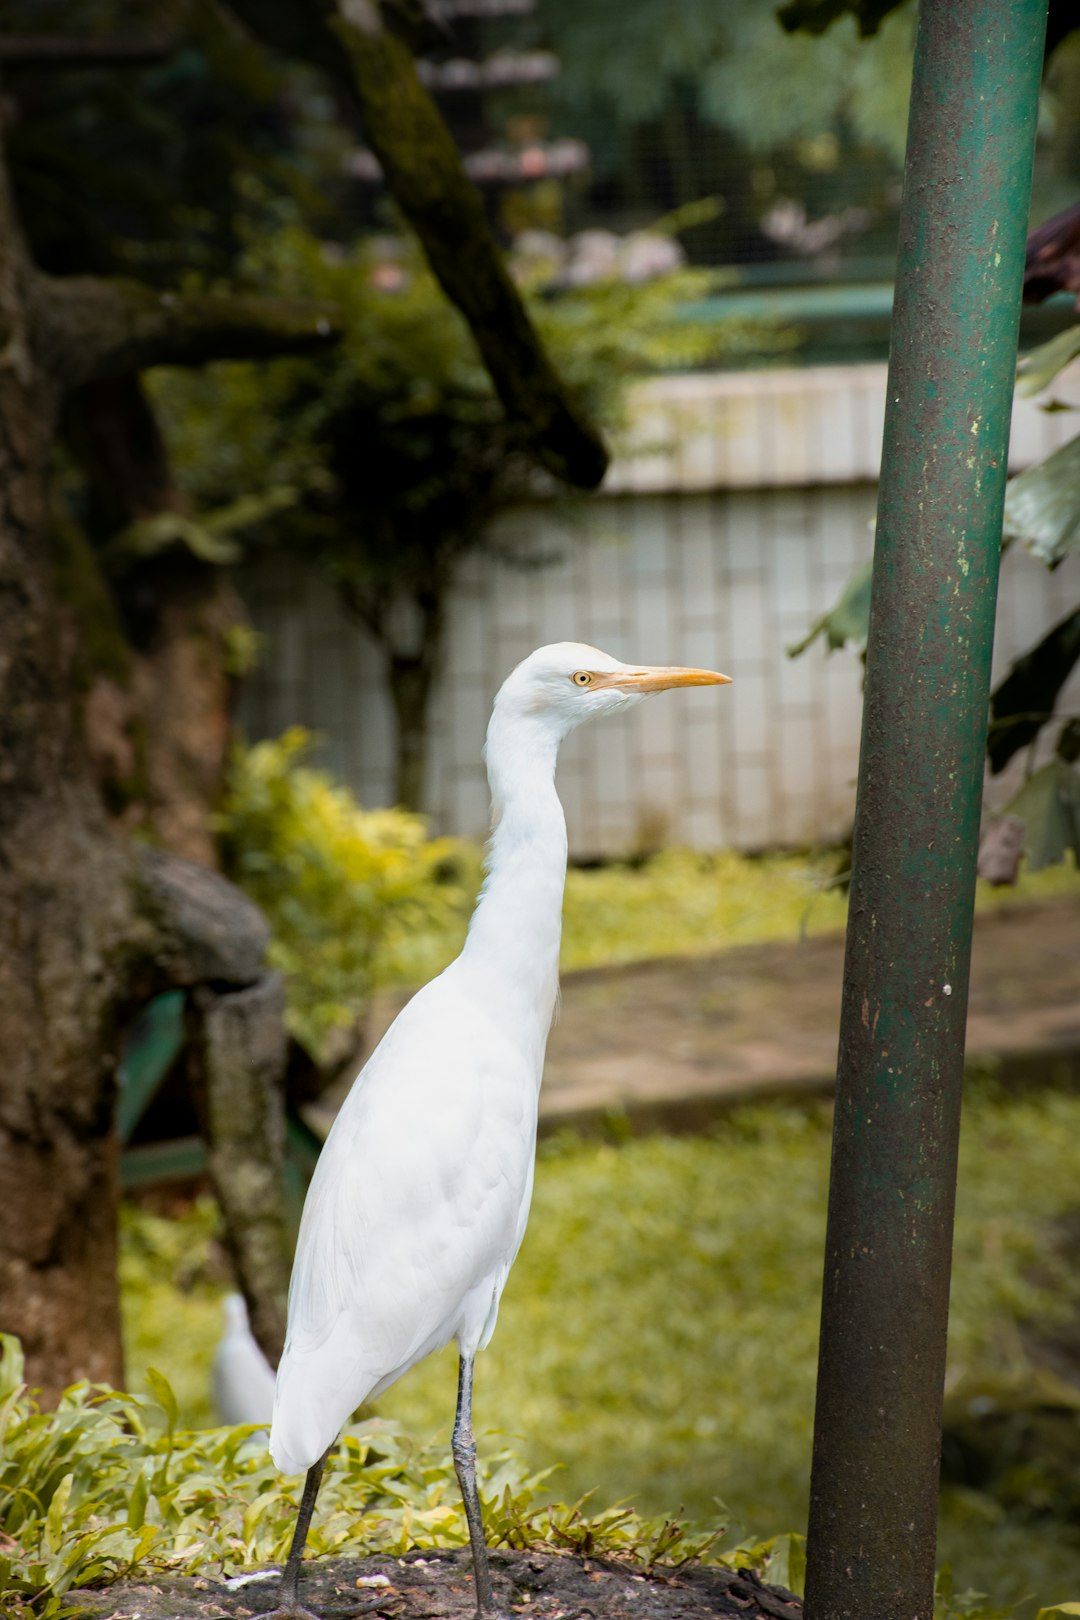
point(419, 1201)
point(242, 1378)
point(414, 1216)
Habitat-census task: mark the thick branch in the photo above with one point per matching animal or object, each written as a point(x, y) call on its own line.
point(423, 168)
point(87, 328)
point(85, 50)
point(196, 928)
point(239, 1051)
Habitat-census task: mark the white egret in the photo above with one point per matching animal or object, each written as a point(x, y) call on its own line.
point(420, 1197)
point(242, 1378)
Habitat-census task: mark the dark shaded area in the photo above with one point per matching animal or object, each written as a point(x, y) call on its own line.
point(1023, 702)
point(1053, 257)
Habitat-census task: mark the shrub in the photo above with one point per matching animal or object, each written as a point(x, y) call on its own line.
point(343, 888)
point(105, 1487)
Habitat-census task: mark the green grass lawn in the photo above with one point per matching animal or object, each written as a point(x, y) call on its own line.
point(658, 1333)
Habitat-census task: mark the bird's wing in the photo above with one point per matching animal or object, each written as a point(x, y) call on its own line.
point(416, 1202)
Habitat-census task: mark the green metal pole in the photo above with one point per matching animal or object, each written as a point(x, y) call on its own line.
point(873, 1511)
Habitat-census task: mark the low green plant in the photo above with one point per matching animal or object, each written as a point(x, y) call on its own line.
point(107, 1486)
point(342, 887)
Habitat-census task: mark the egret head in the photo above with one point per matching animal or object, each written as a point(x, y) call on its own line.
point(569, 682)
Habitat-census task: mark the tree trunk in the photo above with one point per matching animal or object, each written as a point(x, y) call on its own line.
point(408, 623)
point(410, 680)
point(159, 729)
point(91, 925)
point(62, 935)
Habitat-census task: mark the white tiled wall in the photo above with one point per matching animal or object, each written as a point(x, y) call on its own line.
point(719, 550)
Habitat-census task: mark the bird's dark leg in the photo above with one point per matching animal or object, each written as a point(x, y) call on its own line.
point(464, 1449)
point(289, 1605)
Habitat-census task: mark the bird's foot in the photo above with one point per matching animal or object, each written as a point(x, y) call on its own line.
point(289, 1607)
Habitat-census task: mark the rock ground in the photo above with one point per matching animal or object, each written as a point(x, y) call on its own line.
point(438, 1586)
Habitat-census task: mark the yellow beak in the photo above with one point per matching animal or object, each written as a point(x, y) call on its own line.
point(661, 679)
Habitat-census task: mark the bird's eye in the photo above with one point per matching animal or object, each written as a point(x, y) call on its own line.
point(581, 677)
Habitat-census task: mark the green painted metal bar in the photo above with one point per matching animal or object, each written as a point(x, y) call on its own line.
point(151, 1164)
point(152, 1047)
point(846, 301)
point(873, 1512)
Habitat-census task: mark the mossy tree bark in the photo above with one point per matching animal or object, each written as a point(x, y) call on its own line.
point(158, 717)
point(81, 944)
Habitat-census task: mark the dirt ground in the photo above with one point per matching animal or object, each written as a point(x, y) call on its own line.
point(438, 1586)
point(670, 1042)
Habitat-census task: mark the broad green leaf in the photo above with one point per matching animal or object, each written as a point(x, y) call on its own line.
point(1049, 806)
point(1041, 366)
point(163, 1394)
point(1042, 505)
point(11, 1365)
point(1058, 1608)
point(54, 1519)
point(848, 621)
point(140, 1495)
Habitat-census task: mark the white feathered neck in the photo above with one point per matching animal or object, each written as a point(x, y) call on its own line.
point(514, 935)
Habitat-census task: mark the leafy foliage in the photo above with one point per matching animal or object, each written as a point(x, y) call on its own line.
point(742, 72)
point(338, 883)
point(401, 422)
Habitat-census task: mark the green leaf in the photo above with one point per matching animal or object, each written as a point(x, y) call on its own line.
point(54, 1519)
point(1039, 368)
point(149, 536)
point(11, 1365)
point(1058, 1608)
point(1049, 806)
point(249, 510)
point(846, 622)
point(162, 1392)
point(140, 1495)
point(1042, 505)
